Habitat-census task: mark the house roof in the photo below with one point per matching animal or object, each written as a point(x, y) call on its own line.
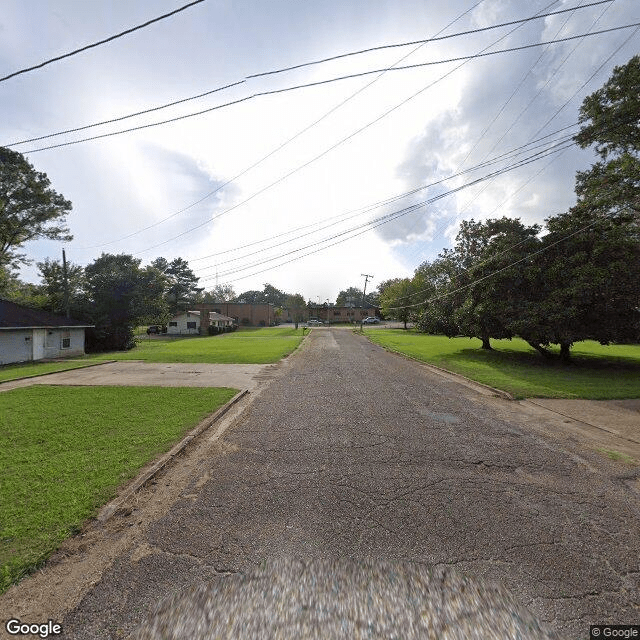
point(16, 316)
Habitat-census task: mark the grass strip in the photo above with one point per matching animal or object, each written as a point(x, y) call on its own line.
point(64, 452)
point(245, 346)
point(33, 369)
point(597, 372)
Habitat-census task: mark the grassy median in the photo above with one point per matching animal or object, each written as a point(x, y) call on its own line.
point(245, 346)
point(64, 451)
point(597, 372)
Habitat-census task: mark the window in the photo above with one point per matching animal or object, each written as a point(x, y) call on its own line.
point(66, 340)
point(191, 325)
point(173, 324)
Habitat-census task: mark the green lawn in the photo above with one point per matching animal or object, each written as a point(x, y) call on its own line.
point(597, 372)
point(31, 369)
point(65, 450)
point(245, 346)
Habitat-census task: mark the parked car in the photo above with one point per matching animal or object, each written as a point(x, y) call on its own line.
point(371, 320)
point(157, 328)
point(314, 323)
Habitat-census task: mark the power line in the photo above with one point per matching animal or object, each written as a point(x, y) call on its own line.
point(318, 83)
point(560, 147)
point(435, 38)
point(101, 42)
point(334, 146)
point(379, 221)
point(425, 41)
point(292, 138)
point(351, 214)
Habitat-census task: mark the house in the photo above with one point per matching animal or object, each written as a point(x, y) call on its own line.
point(185, 323)
point(189, 323)
point(28, 334)
point(242, 313)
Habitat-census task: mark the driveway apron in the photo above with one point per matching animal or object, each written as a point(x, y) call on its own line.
point(353, 452)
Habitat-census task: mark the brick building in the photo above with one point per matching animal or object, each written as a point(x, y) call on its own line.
point(245, 314)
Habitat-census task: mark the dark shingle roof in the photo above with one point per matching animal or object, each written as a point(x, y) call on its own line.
point(15, 316)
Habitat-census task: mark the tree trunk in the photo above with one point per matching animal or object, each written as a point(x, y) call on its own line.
point(565, 353)
point(405, 325)
point(486, 344)
point(539, 348)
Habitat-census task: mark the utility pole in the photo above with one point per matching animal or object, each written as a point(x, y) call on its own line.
point(364, 293)
point(65, 280)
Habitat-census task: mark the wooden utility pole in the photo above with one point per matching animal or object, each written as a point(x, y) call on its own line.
point(364, 293)
point(65, 280)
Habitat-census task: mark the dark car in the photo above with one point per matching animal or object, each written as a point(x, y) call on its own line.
point(156, 328)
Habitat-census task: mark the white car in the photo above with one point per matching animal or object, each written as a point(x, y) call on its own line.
point(371, 320)
point(314, 323)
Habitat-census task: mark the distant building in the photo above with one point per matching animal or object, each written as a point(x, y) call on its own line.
point(244, 314)
point(28, 334)
point(188, 322)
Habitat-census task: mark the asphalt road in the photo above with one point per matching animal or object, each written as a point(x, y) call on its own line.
point(352, 452)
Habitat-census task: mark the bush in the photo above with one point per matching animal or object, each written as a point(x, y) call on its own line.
point(213, 331)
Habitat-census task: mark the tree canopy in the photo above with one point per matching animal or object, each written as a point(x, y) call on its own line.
point(29, 207)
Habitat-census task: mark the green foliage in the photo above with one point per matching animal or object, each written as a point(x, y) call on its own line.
point(29, 208)
point(597, 372)
point(219, 293)
point(181, 284)
point(397, 299)
point(65, 450)
point(352, 296)
point(120, 296)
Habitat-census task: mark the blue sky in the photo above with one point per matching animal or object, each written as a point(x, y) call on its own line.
point(124, 187)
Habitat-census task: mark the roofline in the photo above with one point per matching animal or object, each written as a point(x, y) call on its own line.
point(56, 326)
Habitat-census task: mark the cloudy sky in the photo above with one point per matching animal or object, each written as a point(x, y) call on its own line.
point(292, 188)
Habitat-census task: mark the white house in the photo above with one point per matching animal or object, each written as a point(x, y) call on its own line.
point(32, 334)
point(188, 322)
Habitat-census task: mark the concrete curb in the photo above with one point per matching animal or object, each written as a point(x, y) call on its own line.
point(110, 509)
point(51, 373)
point(445, 373)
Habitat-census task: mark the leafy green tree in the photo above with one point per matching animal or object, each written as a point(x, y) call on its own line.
point(53, 286)
point(296, 305)
point(585, 285)
point(24, 293)
point(438, 289)
point(182, 284)
point(397, 299)
point(490, 289)
point(352, 296)
point(119, 296)
point(29, 208)
point(220, 293)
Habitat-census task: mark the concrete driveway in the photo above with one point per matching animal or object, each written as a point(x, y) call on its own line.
point(139, 374)
point(353, 452)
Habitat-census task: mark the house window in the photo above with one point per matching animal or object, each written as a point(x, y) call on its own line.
point(66, 340)
point(336, 313)
point(191, 325)
point(173, 324)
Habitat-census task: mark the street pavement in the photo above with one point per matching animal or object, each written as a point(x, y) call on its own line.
point(353, 453)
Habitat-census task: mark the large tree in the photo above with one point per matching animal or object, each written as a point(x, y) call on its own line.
point(120, 295)
point(29, 207)
point(60, 289)
point(349, 297)
point(182, 284)
point(490, 276)
point(586, 282)
point(220, 293)
point(397, 299)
